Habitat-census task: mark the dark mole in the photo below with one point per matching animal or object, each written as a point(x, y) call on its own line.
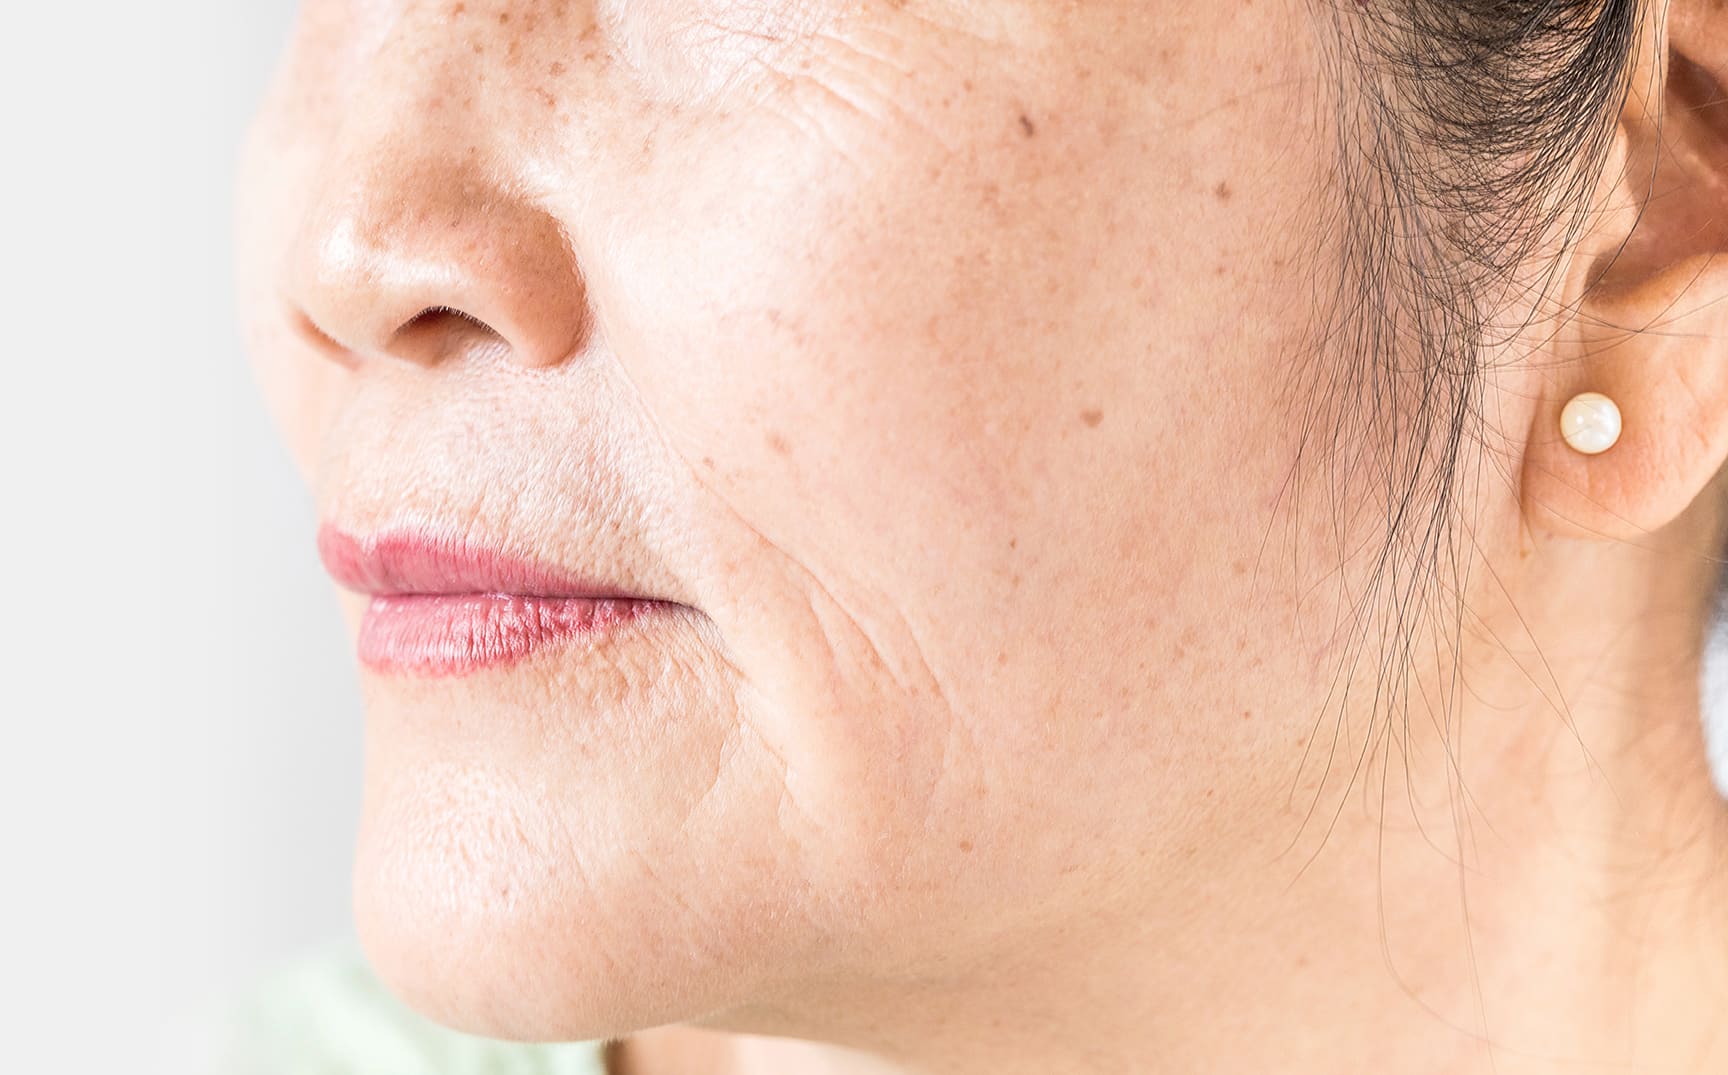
point(503, 18)
point(1026, 125)
point(1092, 417)
point(1223, 192)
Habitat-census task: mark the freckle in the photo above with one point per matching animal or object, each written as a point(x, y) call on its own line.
point(556, 69)
point(1223, 192)
point(1013, 543)
point(1219, 271)
point(476, 48)
point(778, 443)
point(1240, 567)
point(708, 461)
point(1002, 658)
point(1247, 715)
point(1026, 126)
point(1092, 417)
point(503, 18)
point(967, 84)
point(459, 9)
point(966, 845)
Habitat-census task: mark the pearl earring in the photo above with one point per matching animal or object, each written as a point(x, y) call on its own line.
point(1591, 423)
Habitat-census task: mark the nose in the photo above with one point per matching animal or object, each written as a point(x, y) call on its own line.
point(418, 244)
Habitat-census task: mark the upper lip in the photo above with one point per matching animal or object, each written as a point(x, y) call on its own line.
point(397, 562)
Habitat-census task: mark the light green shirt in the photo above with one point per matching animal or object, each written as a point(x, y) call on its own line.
point(329, 1015)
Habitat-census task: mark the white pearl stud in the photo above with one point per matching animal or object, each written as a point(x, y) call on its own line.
point(1591, 423)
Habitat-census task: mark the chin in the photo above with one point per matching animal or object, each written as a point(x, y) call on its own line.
point(475, 917)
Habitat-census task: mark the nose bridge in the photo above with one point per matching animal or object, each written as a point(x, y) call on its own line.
point(418, 238)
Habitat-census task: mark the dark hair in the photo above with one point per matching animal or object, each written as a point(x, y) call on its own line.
point(1470, 132)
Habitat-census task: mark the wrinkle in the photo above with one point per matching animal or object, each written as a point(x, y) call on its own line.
point(854, 82)
point(853, 653)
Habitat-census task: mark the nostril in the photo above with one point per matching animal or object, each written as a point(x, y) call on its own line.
point(307, 329)
point(438, 333)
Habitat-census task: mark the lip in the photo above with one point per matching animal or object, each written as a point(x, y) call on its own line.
point(446, 607)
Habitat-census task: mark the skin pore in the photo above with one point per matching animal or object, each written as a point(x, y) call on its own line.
point(1044, 698)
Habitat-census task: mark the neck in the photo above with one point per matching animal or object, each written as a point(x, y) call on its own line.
point(1539, 884)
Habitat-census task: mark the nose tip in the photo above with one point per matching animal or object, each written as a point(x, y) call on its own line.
point(422, 266)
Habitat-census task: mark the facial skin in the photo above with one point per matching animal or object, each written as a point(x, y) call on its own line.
point(944, 361)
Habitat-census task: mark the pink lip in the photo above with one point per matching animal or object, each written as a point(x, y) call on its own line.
point(442, 607)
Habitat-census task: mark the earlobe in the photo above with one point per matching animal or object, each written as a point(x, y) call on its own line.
point(1659, 352)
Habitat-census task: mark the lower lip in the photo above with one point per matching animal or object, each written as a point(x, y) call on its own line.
point(457, 634)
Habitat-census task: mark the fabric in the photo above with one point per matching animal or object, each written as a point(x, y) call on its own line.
point(329, 1015)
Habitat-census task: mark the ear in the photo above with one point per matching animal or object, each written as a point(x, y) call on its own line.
point(1648, 298)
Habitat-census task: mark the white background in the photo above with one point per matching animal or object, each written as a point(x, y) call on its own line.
point(263, 728)
point(179, 776)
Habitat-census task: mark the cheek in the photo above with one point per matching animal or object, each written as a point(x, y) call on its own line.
point(285, 148)
point(295, 390)
point(979, 385)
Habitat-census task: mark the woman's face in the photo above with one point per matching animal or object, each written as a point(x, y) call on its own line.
point(932, 356)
